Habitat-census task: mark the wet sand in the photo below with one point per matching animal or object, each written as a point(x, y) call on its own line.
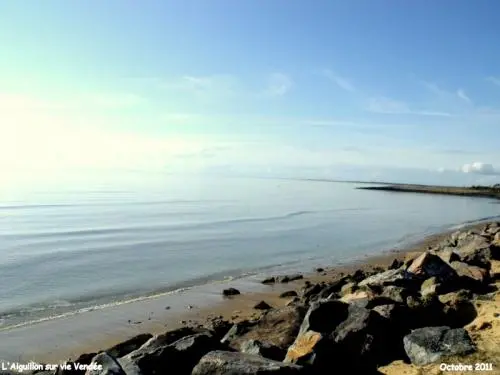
point(54, 341)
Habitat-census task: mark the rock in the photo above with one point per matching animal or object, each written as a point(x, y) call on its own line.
point(479, 258)
point(332, 288)
point(294, 301)
point(425, 311)
point(390, 277)
point(359, 275)
point(448, 255)
point(395, 293)
point(458, 308)
point(470, 273)
point(232, 363)
point(269, 280)
point(218, 327)
point(263, 349)
point(429, 265)
point(312, 291)
point(289, 278)
point(348, 288)
point(463, 295)
point(108, 364)
point(431, 344)
point(230, 292)
point(309, 349)
point(278, 327)
point(359, 338)
point(184, 353)
point(128, 346)
point(324, 316)
point(357, 296)
point(290, 293)
point(262, 305)
point(396, 263)
point(84, 359)
point(471, 243)
point(236, 331)
point(430, 286)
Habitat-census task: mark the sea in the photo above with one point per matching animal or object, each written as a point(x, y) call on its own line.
point(67, 250)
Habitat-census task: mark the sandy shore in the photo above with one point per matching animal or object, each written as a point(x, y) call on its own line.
point(56, 340)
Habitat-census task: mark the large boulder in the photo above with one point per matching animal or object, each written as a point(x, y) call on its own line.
point(311, 349)
point(324, 316)
point(104, 364)
point(183, 354)
point(232, 363)
point(278, 327)
point(264, 349)
point(236, 332)
point(360, 338)
point(430, 265)
point(471, 243)
point(390, 277)
point(433, 344)
point(128, 346)
point(470, 274)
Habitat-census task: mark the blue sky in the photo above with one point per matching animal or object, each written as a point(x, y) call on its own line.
point(362, 88)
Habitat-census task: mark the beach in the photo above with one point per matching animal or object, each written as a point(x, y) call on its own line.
point(57, 340)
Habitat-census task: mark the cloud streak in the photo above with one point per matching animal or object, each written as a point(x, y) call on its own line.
point(395, 107)
point(279, 84)
point(462, 95)
point(341, 82)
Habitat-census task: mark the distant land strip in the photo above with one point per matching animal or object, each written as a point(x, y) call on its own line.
point(472, 191)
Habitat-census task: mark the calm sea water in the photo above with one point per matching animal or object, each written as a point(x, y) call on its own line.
point(70, 250)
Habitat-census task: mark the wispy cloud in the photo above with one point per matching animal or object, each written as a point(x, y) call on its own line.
point(462, 95)
point(390, 106)
point(494, 80)
point(279, 84)
point(202, 85)
point(341, 82)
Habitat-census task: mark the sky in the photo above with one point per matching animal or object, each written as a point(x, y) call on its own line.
point(362, 89)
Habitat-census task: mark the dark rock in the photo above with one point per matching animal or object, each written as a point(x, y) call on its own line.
point(290, 293)
point(289, 278)
point(84, 359)
point(230, 292)
point(236, 331)
point(359, 275)
point(219, 327)
point(230, 363)
point(332, 288)
point(396, 263)
point(294, 301)
point(432, 344)
point(348, 288)
point(262, 305)
point(425, 311)
point(360, 339)
point(263, 349)
point(277, 327)
point(319, 270)
point(269, 280)
point(324, 316)
point(458, 308)
point(312, 291)
point(479, 258)
point(433, 286)
point(429, 265)
point(108, 364)
point(185, 353)
point(448, 255)
point(128, 346)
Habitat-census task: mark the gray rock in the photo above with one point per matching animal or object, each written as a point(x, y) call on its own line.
point(395, 293)
point(234, 363)
point(479, 258)
point(262, 305)
point(183, 354)
point(432, 344)
point(108, 364)
point(128, 346)
point(324, 316)
point(264, 349)
point(389, 277)
point(360, 339)
point(470, 273)
point(236, 331)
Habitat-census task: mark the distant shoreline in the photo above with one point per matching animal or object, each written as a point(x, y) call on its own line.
point(479, 191)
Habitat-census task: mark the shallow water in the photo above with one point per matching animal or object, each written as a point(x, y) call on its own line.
point(72, 250)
